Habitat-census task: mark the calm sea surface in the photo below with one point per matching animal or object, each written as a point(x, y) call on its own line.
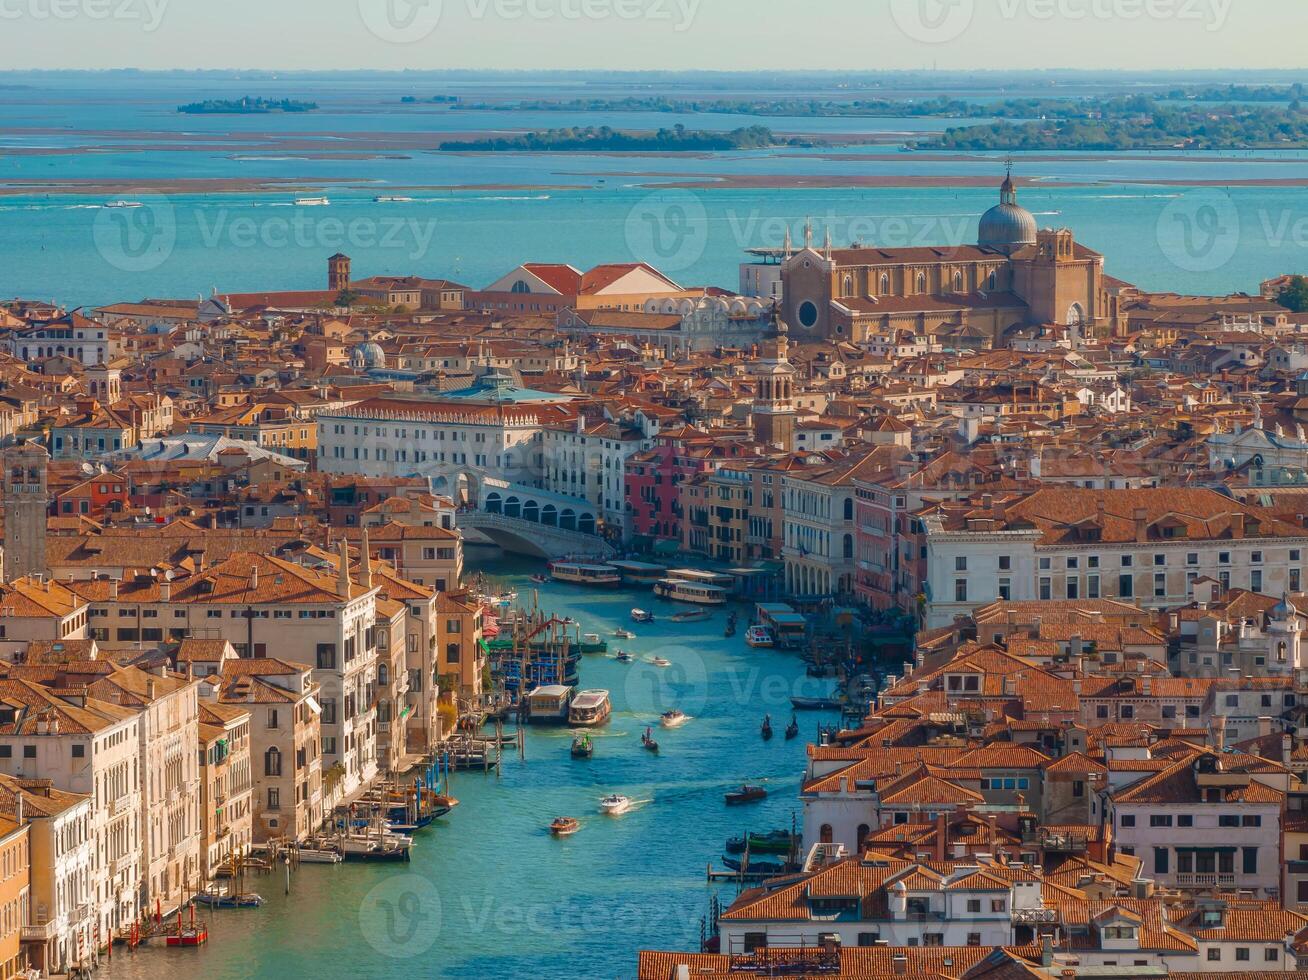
point(489, 893)
point(1153, 215)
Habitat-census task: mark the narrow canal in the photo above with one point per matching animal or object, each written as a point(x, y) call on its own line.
point(489, 893)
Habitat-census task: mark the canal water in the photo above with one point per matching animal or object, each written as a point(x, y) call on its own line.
point(489, 893)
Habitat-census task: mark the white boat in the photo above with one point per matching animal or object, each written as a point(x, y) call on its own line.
point(641, 616)
point(660, 662)
point(581, 573)
point(318, 855)
point(682, 590)
point(673, 718)
point(622, 634)
point(613, 805)
point(312, 202)
point(124, 204)
point(760, 636)
point(590, 708)
point(392, 199)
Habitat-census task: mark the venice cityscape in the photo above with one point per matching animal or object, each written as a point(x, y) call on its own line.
point(642, 489)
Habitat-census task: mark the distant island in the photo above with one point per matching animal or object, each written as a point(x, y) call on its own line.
point(1141, 123)
point(604, 139)
point(245, 107)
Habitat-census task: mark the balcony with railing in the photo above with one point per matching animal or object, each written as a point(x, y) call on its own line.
point(1205, 880)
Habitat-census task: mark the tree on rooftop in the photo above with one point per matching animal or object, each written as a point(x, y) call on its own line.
point(1294, 296)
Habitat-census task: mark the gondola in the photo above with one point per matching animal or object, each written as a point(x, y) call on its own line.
point(766, 730)
point(757, 867)
point(792, 729)
point(746, 794)
point(647, 740)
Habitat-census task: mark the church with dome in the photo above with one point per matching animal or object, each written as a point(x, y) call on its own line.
point(1017, 281)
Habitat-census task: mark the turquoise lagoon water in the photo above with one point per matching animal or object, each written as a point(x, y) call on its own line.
point(1152, 214)
point(489, 893)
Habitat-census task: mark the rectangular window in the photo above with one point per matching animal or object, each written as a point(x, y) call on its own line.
point(1250, 860)
point(1128, 820)
point(1160, 860)
point(960, 590)
point(1125, 586)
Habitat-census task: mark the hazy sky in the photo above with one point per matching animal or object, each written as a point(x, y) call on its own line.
point(648, 34)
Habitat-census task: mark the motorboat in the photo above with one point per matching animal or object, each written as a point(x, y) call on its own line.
point(540, 579)
point(766, 730)
point(647, 740)
point(622, 634)
point(660, 662)
point(123, 204)
point(565, 826)
point(590, 708)
point(582, 747)
point(673, 718)
point(624, 657)
point(746, 794)
point(319, 855)
point(642, 616)
point(312, 202)
point(816, 704)
point(592, 643)
point(692, 617)
point(392, 199)
point(792, 730)
point(615, 804)
point(760, 637)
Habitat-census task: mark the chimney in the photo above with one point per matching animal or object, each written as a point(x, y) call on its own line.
point(899, 964)
point(1046, 950)
point(942, 837)
point(1237, 526)
point(165, 591)
point(113, 589)
point(151, 688)
point(1287, 748)
point(1264, 726)
point(1218, 732)
point(254, 578)
point(365, 562)
point(1141, 518)
point(343, 575)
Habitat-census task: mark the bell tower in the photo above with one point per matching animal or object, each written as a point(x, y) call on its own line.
point(773, 413)
point(338, 273)
point(26, 508)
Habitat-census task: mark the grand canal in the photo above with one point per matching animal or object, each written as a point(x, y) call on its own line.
point(489, 893)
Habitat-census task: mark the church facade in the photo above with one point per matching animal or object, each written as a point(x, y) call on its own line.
point(1015, 281)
